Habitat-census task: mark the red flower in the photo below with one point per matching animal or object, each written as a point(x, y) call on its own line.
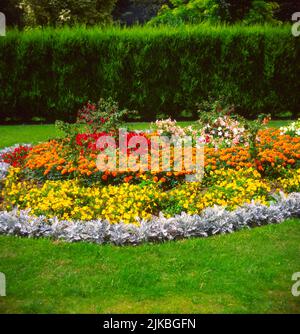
point(17, 156)
point(90, 140)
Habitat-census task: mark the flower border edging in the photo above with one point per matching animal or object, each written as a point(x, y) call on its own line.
point(212, 221)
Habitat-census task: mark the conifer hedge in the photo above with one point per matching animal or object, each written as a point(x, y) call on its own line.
point(50, 73)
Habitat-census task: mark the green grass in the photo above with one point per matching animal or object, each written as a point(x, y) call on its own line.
point(278, 124)
point(25, 134)
point(15, 134)
point(246, 272)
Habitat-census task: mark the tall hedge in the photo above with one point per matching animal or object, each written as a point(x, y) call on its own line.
point(51, 73)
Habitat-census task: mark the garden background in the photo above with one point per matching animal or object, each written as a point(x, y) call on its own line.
point(221, 68)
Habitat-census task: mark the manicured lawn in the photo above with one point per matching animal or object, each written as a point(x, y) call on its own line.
point(248, 271)
point(25, 134)
point(16, 134)
point(278, 124)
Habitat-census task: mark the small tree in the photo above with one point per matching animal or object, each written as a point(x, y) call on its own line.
point(214, 11)
point(193, 11)
point(261, 12)
point(105, 116)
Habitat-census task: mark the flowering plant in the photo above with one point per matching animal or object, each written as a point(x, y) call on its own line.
point(105, 116)
point(89, 140)
point(219, 125)
point(17, 157)
point(71, 199)
point(168, 128)
point(253, 129)
point(292, 130)
point(225, 131)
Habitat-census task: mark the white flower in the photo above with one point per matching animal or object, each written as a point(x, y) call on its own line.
point(235, 131)
point(293, 128)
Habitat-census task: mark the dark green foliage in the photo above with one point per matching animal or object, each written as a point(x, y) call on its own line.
point(249, 12)
point(165, 71)
point(70, 12)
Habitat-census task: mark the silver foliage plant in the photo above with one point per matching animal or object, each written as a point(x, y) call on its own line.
point(3, 170)
point(212, 221)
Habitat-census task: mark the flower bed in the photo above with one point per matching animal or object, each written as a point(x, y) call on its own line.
point(59, 181)
point(70, 199)
point(277, 153)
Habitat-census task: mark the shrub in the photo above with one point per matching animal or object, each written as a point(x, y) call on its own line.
point(51, 73)
point(196, 11)
point(104, 116)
